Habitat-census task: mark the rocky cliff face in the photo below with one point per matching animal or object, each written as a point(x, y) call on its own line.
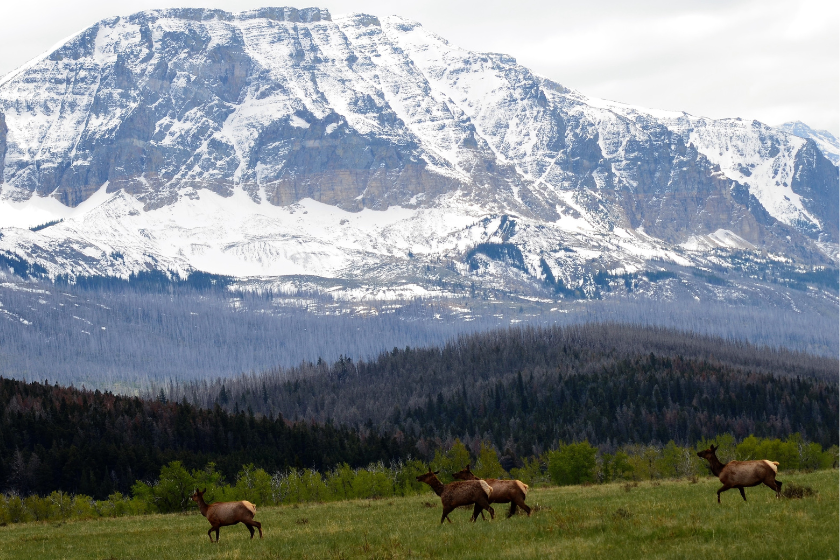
point(3, 131)
point(825, 141)
point(283, 106)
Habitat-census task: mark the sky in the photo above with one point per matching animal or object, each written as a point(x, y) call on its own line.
point(770, 60)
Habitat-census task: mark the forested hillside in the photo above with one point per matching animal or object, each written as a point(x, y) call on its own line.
point(519, 391)
point(524, 389)
point(55, 438)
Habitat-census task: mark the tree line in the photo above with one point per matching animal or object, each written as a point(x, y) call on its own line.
point(56, 438)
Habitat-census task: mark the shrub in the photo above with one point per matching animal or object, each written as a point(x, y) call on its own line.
point(793, 490)
point(254, 485)
point(572, 464)
point(488, 465)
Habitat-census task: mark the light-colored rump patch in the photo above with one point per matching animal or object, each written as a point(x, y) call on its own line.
point(773, 465)
point(523, 487)
point(250, 506)
point(486, 487)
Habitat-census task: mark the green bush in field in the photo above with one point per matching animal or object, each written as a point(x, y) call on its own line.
point(725, 447)
point(13, 510)
point(340, 482)
point(84, 507)
point(118, 505)
point(295, 486)
point(534, 470)
point(572, 464)
point(62, 504)
point(453, 460)
point(614, 467)
point(792, 454)
point(39, 509)
point(487, 465)
point(373, 482)
point(171, 492)
point(406, 478)
point(254, 485)
point(678, 462)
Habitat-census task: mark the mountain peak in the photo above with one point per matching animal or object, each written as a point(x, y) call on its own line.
point(388, 145)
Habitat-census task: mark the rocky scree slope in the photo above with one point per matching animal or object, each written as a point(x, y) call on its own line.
point(283, 142)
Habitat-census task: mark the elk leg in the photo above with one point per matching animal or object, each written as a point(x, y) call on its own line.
point(775, 486)
point(250, 529)
point(512, 510)
point(478, 509)
point(258, 526)
point(217, 533)
point(743, 495)
point(521, 503)
point(723, 488)
point(446, 511)
point(485, 503)
point(209, 534)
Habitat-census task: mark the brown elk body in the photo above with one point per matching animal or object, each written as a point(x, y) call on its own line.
point(504, 491)
point(460, 493)
point(742, 474)
point(222, 514)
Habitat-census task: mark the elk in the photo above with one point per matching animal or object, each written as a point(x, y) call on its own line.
point(504, 491)
point(222, 514)
point(460, 493)
point(742, 474)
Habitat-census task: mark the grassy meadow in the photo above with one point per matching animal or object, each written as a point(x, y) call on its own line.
point(667, 519)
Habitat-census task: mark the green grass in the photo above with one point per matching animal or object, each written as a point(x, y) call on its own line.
point(673, 519)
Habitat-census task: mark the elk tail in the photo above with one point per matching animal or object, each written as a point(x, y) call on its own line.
point(773, 465)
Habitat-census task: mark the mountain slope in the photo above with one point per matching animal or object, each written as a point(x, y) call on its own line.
point(826, 141)
point(282, 142)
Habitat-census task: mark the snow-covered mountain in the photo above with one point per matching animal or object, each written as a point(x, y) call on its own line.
point(826, 141)
point(282, 142)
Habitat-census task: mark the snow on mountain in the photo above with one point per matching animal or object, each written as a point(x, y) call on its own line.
point(826, 141)
point(281, 142)
point(748, 152)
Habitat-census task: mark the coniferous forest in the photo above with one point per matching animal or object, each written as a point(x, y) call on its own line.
point(522, 391)
point(94, 443)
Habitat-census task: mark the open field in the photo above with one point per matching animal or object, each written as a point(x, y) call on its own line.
point(671, 519)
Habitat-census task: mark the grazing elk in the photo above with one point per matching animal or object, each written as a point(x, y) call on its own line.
point(222, 514)
point(460, 493)
point(742, 474)
point(504, 491)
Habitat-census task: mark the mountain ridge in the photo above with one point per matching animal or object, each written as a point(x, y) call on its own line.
point(303, 124)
